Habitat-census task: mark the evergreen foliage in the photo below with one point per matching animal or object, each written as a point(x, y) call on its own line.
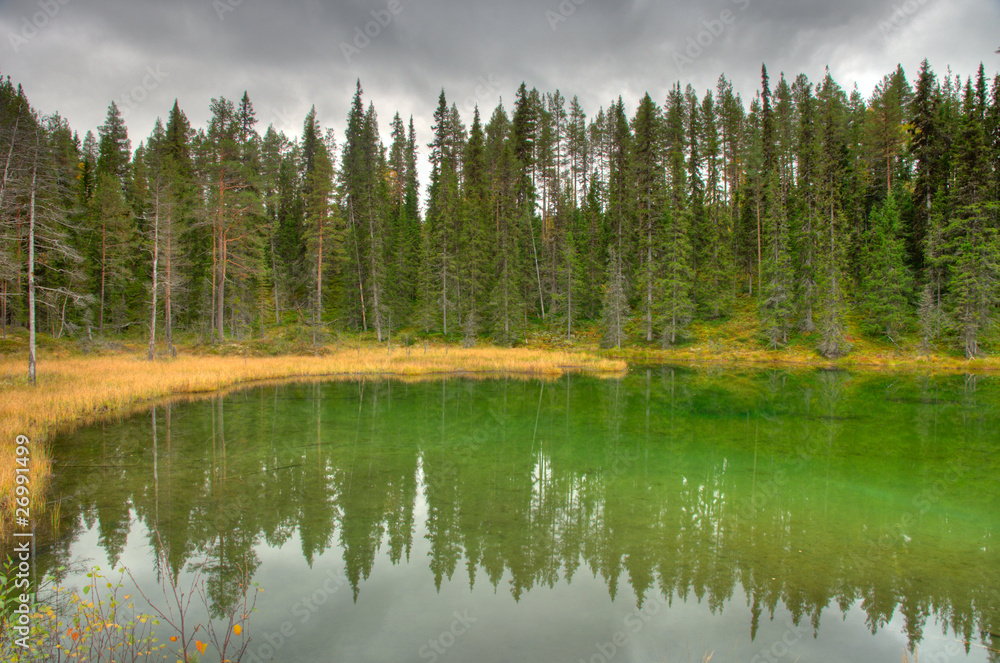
point(821, 207)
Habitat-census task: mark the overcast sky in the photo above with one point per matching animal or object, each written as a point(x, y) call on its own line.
point(76, 56)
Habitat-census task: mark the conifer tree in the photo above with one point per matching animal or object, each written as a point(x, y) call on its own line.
point(775, 305)
point(887, 282)
point(713, 295)
point(805, 228)
point(886, 126)
point(507, 217)
point(115, 148)
point(322, 232)
point(478, 239)
point(614, 310)
point(114, 243)
point(647, 176)
point(831, 137)
point(443, 216)
point(972, 231)
point(676, 276)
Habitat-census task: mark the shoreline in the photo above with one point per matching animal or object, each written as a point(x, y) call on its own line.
point(75, 391)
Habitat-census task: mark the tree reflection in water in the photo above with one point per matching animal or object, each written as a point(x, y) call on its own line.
point(815, 490)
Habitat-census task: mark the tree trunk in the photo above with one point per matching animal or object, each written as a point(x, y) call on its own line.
point(32, 373)
point(444, 282)
point(759, 288)
point(376, 286)
point(168, 327)
point(156, 258)
point(538, 274)
point(215, 272)
point(319, 280)
point(219, 260)
point(569, 297)
point(357, 252)
point(649, 282)
point(10, 157)
point(104, 269)
point(274, 276)
point(221, 289)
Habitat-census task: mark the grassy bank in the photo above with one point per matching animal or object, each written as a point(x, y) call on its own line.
point(73, 390)
point(83, 381)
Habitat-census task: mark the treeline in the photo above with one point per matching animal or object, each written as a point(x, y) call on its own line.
point(822, 206)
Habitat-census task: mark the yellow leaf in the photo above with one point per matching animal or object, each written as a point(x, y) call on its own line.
point(237, 629)
point(200, 646)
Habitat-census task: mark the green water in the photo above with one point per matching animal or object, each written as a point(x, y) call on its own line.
point(762, 516)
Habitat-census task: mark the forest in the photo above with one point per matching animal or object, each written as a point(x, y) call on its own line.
point(818, 206)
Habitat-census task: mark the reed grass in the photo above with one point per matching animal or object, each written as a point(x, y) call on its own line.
point(73, 391)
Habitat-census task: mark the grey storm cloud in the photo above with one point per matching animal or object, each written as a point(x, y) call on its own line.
point(76, 56)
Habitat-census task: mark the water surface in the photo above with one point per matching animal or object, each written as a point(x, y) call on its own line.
point(813, 516)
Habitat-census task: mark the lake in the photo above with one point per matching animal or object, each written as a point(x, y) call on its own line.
point(668, 515)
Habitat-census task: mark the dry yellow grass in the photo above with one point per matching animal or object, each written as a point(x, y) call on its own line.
point(78, 390)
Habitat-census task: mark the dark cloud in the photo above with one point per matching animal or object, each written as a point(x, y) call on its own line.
point(291, 54)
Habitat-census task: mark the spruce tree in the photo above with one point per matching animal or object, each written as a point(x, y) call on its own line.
point(647, 175)
point(887, 282)
point(614, 310)
point(115, 148)
point(676, 306)
point(832, 249)
point(322, 232)
point(776, 301)
point(713, 291)
point(805, 228)
point(972, 231)
point(478, 237)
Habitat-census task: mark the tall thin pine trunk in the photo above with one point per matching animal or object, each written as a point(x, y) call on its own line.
point(156, 258)
point(274, 277)
point(168, 327)
point(538, 274)
point(649, 281)
point(376, 280)
point(357, 252)
point(759, 287)
point(319, 279)
point(32, 373)
point(104, 270)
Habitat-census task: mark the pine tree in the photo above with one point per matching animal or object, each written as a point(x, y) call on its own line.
point(832, 250)
point(805, 228)
point(647, 176)
point(614, 311)
point(887, 129)
point(713, 294)
point(676, 306)
point(572, 276)
point(507, 216)
point(230, 168)
point(114, 149)
point(322, 232)
point(887, 281)
point(443, 218)
point(176, 174)
point(478, 237)
point(114, 242)
point(776, 302)
point(972, 231)
point(403, 223)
